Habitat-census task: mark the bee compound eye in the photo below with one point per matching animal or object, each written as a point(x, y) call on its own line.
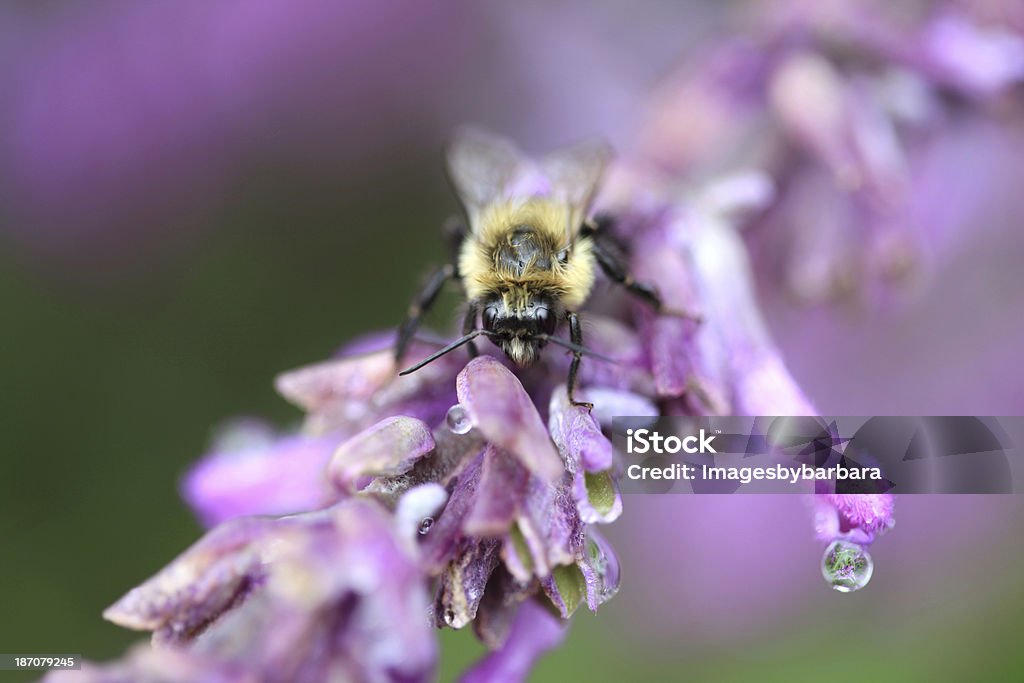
point(545, 320)
point(490, 316)
point(563, 256)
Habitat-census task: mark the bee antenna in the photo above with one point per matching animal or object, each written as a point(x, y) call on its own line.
point(446, 350)
point(576, 348)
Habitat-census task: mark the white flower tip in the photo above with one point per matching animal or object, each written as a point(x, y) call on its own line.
point(417, 504)
point(735, 195)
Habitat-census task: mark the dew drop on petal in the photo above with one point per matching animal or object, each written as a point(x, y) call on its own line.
point(458, 419)
point(846, 566)
point(425, 525)
point(605, 565)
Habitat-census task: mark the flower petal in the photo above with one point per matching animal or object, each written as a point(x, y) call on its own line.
point(415, 505)
point(502, 410)
point(389, 448)
point(979, 62)
point(534, 632)
point(452, 454)
point(550, 529)
point(566, 588)
point(339, 601)
point(350, 394)
point(443, 539)
point(866, 515)
point(809, 97)
point(670, 362)
point(316, 386)
point(670, 339)
point(251, 471)
point(461, 585)
point(200, 584)
point(609, 403)
point(597, 497)
point(577, 434)
point(497, 610)
point(736, 352)
point(499, 495)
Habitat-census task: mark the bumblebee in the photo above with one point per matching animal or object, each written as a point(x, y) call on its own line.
point(527, 254)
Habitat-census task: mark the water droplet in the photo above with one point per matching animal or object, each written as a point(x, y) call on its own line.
point(605, 564)
point(458, 419)
point(846, 566)
point(425, 525)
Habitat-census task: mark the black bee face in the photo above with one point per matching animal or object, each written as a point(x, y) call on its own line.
point(521, 332)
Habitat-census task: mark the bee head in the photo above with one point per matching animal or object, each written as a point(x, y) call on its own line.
point(521, 332)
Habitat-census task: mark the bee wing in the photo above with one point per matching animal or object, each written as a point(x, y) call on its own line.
point(483, 167)
point(575, 173)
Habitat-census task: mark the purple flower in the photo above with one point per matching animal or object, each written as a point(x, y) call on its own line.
point(253, 471)
point(312, 597)
point(302, 595)
point(463, 494)
point(533, 632)
point(856, 518)
point(841, 104)
point(849, 523)
point(469, 494)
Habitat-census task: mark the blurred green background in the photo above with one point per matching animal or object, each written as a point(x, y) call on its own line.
point(121, 349)
point(111, 389)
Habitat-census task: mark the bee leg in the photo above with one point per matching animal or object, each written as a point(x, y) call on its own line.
point(576, 336)
point(455, 233)
point(424, 300)
point(468, 325)
point(613, 262)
